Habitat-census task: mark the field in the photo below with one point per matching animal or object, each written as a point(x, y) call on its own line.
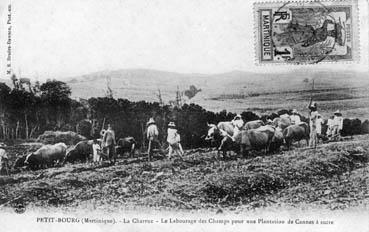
point(334, 176)
point(239, 91)
point(236, 91)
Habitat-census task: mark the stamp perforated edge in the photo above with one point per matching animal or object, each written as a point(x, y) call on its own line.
point(356, 31)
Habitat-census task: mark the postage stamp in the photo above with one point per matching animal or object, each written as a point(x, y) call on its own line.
point(306, 32)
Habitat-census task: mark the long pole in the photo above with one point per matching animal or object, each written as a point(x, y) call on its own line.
point(102, 127)
point(312, 89)
point(311, 93)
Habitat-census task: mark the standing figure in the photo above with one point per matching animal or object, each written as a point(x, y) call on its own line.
point(307, 35)
point(4, 163)
point(313, 125)
point(152, 135)
point(330, 126)
point(337, 124)
point(174, 140)
point(238, 123)
point(108, 143)
point(295, 118)
point(319, 123)
point(96, 149)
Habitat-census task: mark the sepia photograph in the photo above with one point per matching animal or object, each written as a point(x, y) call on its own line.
point(173, 115)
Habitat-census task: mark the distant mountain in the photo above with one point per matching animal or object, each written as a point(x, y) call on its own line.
point(133, 84)
point(142, 84)
point(235, 91)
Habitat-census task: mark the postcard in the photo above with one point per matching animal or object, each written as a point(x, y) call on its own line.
point(196, 115)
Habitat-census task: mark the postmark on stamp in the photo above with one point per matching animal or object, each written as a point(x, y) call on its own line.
point(306, 32)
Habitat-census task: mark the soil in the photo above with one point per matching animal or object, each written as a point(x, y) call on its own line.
point(333, 176)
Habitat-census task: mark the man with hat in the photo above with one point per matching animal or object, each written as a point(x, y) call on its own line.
point(238, 123)
point(295, 118)
point(108, 143)
point(174, 140)
point(337, 124)
point(313, 116)
point(152, 135)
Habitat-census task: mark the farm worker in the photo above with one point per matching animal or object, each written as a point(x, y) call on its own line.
point(152, 135)
point(330, 126)
point(4, 165)
point(337, 123)
point(96, 149)
point(108, 143)
point(313, 124)
point(174, 140)
point(319, 123)
point(295, 118)
point(238, 123)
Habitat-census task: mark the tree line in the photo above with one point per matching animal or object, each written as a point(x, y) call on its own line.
point(27, 110)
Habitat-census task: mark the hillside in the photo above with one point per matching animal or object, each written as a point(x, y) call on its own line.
point(237, 91)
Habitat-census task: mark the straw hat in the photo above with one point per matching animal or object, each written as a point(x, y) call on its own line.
point(338, 113)
point(151, 121)
point(172, 124)
point(238, 116)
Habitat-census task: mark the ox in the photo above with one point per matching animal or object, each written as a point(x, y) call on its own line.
point(80, 152)
point(46, 156)
point(19, 162)
point(277, 140)
point(253, 124)
point(127, 144)
point(258, 139)
point(281, 122)
point(221, 134)
point(224, 131)
point(296, 133)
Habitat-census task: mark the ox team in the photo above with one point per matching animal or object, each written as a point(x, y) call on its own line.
point(107, 147)
point(268, 135)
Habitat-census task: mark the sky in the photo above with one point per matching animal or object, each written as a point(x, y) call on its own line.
point(65, 38)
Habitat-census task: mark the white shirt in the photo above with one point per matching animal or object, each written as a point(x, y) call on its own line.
point(173, 136)
point(338, 121)
point(152, 131)
point(95, 148)
point(330, 123)
point(3, 153)
point(295, 119)
point(319, 122)
point(313, 118)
